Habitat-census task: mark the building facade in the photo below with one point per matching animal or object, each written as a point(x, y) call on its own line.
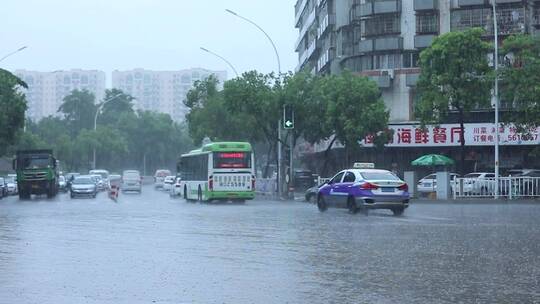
point(162, 91)
point(46, 90)
point(382, 39)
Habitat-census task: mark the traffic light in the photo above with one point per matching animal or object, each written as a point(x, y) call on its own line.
point(288, 117)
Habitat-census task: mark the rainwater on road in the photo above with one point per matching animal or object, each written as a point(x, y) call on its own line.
point(151, 248)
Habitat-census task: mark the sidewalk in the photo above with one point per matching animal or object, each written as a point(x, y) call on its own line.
point(475, 201)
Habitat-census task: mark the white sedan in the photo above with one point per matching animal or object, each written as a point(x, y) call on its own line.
point(429, 183)
point(168, 183)
point(177, 187)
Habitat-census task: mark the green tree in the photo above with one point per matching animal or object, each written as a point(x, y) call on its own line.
point(455, 77)
point(13, 107)
point(119, 103)
point(303, 92)
point(355, 109)
point(79, 109)
point(209, 116)
point(521, 79)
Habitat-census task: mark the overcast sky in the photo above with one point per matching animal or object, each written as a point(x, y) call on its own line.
point(151, 34)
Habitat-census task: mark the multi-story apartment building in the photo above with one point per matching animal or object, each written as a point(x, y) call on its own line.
point(162, 91)
point(46, 90)
point(382, 39)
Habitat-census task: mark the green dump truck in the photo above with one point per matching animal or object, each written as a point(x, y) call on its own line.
point(37, 173)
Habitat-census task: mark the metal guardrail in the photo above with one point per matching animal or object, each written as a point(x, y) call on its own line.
point(510, 187)
point(266, 186)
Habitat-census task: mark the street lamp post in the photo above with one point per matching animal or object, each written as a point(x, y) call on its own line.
point(14, 52)
point(496, 97)
point(279, 71)
point(220, 57)
point(95, 124)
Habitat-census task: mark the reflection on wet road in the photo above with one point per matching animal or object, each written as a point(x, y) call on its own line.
point(150, 248)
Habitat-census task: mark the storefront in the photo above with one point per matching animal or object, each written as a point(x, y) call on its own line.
point(410, 141)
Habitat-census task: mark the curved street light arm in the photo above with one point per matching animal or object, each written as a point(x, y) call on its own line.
point(14, 52)
point(261, 29)
point(226, 61)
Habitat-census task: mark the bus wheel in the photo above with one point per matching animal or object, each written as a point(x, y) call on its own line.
point(199, 194)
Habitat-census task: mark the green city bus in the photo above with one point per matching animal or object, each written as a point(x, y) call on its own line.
point(218, 171)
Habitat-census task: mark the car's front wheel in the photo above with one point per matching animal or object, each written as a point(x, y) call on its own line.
point(398, 211)
point(321, 204)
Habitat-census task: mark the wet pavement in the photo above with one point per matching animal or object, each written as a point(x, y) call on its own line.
point(150, 248)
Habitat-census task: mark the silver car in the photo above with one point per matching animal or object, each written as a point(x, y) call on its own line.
point(131, 181)
point(83, 185)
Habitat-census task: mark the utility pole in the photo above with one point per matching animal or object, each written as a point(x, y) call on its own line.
point(496, 97)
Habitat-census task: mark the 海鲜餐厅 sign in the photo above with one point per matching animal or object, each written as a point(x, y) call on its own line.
point(445, 135)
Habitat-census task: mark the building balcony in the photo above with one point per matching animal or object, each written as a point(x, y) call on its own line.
point(299, 9)
point(324, 23)
point(423, 41)
point(365, 46)
point(470, 2)
point(420, 5)
point(411, 79)
point(365, 9)
point(388, 44)
point(383, 81)
point(389, 6)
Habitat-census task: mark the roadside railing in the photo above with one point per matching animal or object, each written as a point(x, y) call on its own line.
point(509, 187)
point(266, 186)
point(322, 180)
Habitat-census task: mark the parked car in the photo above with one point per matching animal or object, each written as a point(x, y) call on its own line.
point(303, 180)
point(131, 181)
point(168, 182)
point(177, 187)
point(311, 193)
point(83, 185)
point(479, 183)
point(429, 183)
point(363, 188)
point(62, 184)
point(3, 188)
point(11, 182)
point(159, 177)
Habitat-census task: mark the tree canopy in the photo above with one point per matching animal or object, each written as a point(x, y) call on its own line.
point(455, 77)
point(520, 79)
point(13, 106)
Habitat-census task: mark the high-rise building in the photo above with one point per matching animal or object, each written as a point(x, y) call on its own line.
point(382, 39)
point(46, 90)
point(162, 91)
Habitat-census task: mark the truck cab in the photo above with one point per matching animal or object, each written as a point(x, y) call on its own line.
point(37, 173)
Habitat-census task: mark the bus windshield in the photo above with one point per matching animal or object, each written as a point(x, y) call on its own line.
point(227, 160)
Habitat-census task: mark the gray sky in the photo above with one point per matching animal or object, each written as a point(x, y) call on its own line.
point(151, 34)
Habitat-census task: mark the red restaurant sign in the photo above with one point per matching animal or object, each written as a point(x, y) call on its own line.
point(444, 135)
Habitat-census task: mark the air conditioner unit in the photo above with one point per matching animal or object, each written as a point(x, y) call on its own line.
point(389, 73)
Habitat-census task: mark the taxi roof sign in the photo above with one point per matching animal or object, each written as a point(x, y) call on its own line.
point(364, 166)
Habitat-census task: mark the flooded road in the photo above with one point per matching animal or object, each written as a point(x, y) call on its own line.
point(151, 248)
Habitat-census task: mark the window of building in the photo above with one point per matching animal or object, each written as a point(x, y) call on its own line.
point(410, 59)
point(387, 61)
point(427, 23)
point(385, 24)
